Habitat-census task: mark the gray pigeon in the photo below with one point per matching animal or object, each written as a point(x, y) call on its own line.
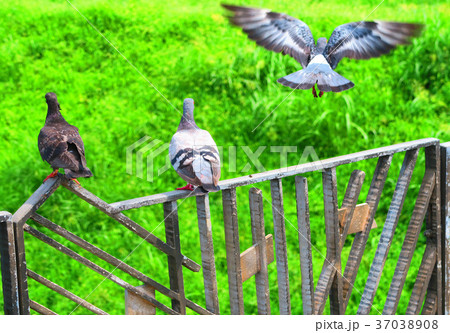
point(61, 145)
point(193, 153)
point(357, 40)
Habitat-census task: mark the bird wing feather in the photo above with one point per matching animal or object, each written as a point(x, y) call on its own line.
point(364, 40)
point(276, 32)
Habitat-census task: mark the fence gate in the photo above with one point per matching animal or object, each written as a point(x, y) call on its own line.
point(430, 295)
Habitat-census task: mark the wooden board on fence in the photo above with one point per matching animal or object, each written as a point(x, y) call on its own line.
point(250, 264)
point(136, 305)
point(359, 219)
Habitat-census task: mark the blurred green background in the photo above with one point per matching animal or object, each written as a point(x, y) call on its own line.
point(188, 49)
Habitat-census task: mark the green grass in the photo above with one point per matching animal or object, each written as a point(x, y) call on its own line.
point(187, 49)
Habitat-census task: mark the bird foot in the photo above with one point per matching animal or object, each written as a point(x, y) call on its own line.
point(188, 187)
point(314, 92)
point(76, 181)
point(52, 175)
point(321, 94)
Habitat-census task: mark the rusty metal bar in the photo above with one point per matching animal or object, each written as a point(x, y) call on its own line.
point(304, 239)
point(207, 248)
point(72, 254)
point(422, 280)
point(259, 237)
point(174, 261)
point(284, 296)
point(409, 244)
point(388, 231)
point(433, 162)
point(233, 252)
point(127, 223)
point(9, 265)
point(430, 304)
point(359, 243)
point(41, 309)
point(333, 238)
point(60, 290)
point(445, 222)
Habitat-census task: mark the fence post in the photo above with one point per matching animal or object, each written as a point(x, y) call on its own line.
point(445, 222)
point(9, 266)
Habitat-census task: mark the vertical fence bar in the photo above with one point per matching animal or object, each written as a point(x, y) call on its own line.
point(304, 239)
point(8, 265)
point(387, 234)
point(207, 248)
point(24, 299)
point(175, 261)
point(445, 222)
point(409, 244)
point(359, 243)
point(276, 190)
point(433, 162)
point(333, 238)
point(259, 237)
point(233, 251)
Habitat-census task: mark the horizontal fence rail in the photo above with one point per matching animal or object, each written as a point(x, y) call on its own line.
point(430, 294)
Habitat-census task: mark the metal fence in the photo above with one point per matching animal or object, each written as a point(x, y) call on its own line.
point(430, 294)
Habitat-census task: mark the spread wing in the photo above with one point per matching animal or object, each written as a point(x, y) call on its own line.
point(62, 147)
point(275, 31)
point(364, 40)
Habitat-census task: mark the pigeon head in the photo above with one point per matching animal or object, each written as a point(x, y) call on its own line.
point(187, 120)
point(52, 101)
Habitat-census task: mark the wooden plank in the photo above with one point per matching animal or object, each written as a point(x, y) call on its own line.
point(388, 231)
point(433, 162)
point(250, 261)
point(410, 242)
point(174, 261)
point(37, 199)
point(359, 219)
point(279, 173)
point(127, 223)
point(207, 248)
point(259, 238)
point(323, 286)
point(233, 252)
point(96, 268)
point(360, 240)
point(445, 222)
point(304, 239)
point(60, 290)
point(422, 280)
point(284, 296)
point(333, 238)
point(24, 299)
point(8, 265)
point(137, 306)
point(41, 309)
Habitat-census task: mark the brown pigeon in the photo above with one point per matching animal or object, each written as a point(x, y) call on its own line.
point(194, 154)
point(60, 144)
point(357, 40)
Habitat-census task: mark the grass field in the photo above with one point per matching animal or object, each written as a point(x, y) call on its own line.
point(188, 49)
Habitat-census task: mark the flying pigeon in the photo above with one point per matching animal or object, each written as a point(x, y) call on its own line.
point(60, 144)
point(193, 153)
point(357, 40)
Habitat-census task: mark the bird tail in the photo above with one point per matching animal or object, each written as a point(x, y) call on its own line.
point(326, 81)
point(84, 173)
point(210, 188)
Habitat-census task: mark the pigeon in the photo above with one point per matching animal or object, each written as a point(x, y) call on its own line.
point(60, 144)
point(194, 154)
point(357, 40)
